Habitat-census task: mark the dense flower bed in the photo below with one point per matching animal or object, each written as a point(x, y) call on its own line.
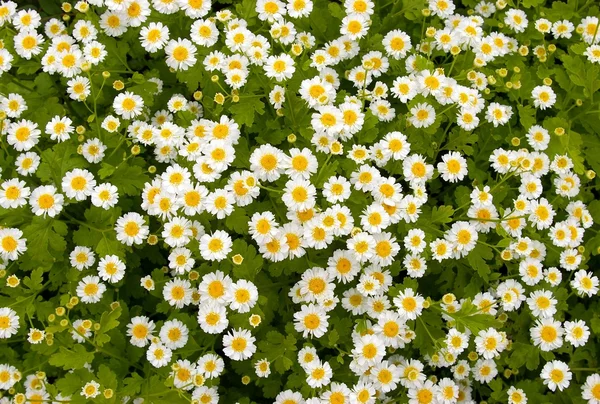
point(299, 202)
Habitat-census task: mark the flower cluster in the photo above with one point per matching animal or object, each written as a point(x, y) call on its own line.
point(301, 196)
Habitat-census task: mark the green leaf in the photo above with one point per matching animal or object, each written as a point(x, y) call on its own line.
point(35, 280)
point(524, 354)
point(442, 214)
point(130, 179)
point(336, 11)
point(252, 263)
point(97, 232)
point(57, 161)
point(478, 257)
point(108, 321)
point(470, 317)
point(107, 378)
point(369, 130)
point(70, 359)
point(279, 349)
point(238, 221)
point(581, 73)
point(45, 242)
point(244, 111)
point(428, 328)
point(527, 116)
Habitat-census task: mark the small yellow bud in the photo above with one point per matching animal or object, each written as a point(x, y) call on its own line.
point(66, 7)
point(590, 174)
point(448, 298)
point(108, 393)
point(515, 141)
point(152, 169)
point(255, 320)
point(214, 78)
point(523, 50)
point(197, 95)
point(152, 239)
point(80, 130)
point(105, 74)
point(193, 275)
point(237, 259)
point(60, 311)
point(198, 380)
point(506, 255)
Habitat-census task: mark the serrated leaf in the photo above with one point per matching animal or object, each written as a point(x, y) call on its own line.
point(108, 321)
point(478, 257)
point(45, 242)
point(74, 358)
point(244, 111)
point(58, 160)
point(442, 214)
point(130, 179)
point(35, 280)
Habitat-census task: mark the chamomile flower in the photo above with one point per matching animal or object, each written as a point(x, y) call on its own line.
point(311, 320)
point(239, 344)
point(158, 355)
point(543, 97)
point(453, 167)
point(177, 292)
point(180, 53)
point(90, 289)
point(244, 296)
point(131, 229)
point(409, 304)
point(212, 317)
point(45, 200)
point(111, 268)
point(280, 67)
point(82, 257)
point(9, 322)
point(78, 184)
point(556, 374)
point(23, 135)
point(174, 334)
point(13, 193)
point(105, 195)
point(215, 247)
